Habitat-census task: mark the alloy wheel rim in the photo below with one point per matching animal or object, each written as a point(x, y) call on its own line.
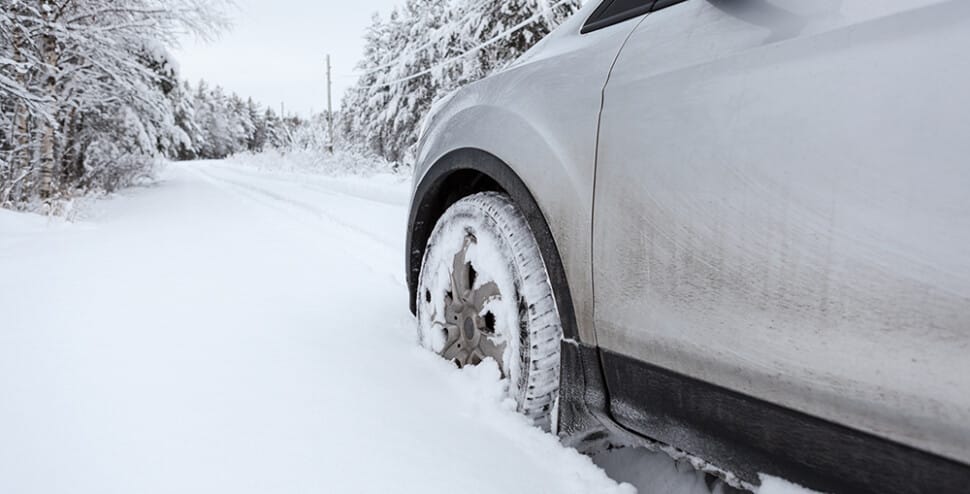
point(467, 326)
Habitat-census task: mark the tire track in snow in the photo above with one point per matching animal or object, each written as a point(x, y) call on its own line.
point(314, 216)
point(313, 211)
point(290, 178)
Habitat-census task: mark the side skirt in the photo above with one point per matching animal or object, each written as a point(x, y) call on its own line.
point(747, 436)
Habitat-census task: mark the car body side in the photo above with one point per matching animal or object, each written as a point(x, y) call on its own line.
point(855, 310)
point(783, 208)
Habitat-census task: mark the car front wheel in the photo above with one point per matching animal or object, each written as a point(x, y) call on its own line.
point(484, 293)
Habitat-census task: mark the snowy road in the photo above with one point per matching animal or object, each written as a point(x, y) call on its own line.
point(229, 331)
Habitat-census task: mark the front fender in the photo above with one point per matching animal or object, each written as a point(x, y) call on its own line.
point(554, 173)
point(466, 171)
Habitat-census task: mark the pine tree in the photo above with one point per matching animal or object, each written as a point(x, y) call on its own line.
point(183, 105)
point(428, 49)
point(257, 137)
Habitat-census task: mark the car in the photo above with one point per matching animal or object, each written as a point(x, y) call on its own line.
point(735, 230)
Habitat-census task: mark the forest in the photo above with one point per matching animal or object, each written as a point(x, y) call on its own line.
point(91, 99)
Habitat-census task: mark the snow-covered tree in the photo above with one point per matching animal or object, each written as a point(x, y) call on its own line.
point(428, 48)
point(211, 124)
point(183, 106)
point(86, 91)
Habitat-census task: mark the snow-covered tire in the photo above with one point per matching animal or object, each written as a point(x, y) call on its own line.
point(483, 250)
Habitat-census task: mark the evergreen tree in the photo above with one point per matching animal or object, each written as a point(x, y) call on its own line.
point(427, 49)
point(183, 106)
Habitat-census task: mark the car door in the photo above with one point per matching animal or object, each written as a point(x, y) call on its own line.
point(781, 210)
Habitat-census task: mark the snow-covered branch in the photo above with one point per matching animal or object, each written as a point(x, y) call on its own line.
point(428, 48)
point(86, 85)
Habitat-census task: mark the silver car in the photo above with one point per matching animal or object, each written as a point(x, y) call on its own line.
point(737, 230)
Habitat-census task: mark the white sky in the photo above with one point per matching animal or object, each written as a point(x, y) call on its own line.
point(275, 51)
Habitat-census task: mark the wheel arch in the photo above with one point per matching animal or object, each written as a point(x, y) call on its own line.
point(461, 173)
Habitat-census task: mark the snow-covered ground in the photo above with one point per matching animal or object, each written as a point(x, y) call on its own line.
point(229, 330)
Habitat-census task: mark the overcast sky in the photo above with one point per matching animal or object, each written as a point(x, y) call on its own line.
point(275, 51)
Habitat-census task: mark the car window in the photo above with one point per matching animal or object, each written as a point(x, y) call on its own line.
point(615, 11)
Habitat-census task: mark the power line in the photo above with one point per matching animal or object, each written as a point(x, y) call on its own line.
point(443, 63)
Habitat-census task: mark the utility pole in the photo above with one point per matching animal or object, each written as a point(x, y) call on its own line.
point(329, 108)
point(282, 111)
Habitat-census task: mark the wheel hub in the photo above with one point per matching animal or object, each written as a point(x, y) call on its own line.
point(469, 329)
point(466, 329)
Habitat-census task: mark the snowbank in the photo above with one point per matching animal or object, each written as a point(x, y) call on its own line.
point(314, 161)
point(231, 331)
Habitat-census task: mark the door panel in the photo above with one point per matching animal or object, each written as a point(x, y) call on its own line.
point(782, 208)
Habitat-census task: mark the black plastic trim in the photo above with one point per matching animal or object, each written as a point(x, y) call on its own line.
point(662, 4)
point(745, 436)
point(467, 171)
point(596, 21)
point(584, 419)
